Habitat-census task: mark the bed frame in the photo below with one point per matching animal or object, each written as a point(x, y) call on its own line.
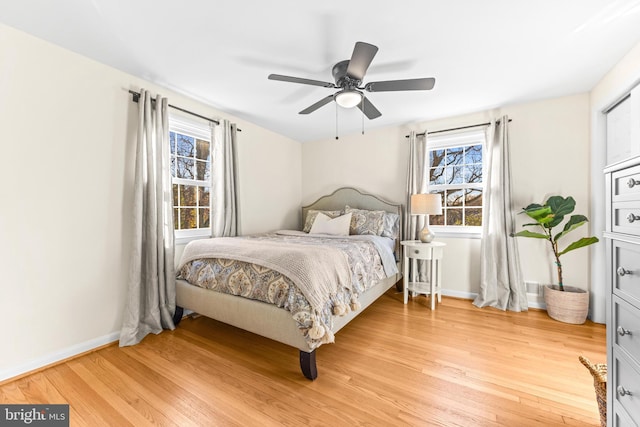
point(275, 323)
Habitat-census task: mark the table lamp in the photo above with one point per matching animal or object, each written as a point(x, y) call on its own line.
point(426, 204)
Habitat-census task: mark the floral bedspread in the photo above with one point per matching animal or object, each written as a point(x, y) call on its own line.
point(266, 285)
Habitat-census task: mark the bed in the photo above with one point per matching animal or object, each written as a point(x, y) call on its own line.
point(302, 327)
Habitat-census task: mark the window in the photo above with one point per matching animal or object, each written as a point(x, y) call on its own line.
point(455, 172)
point(190, 146)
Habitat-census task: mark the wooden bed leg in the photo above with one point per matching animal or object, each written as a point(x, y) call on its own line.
point(399, 286)
point(308, 364)
point(177, 316)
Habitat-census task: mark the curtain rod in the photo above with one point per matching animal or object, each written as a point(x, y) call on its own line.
point(136, 97)
point(458, 128)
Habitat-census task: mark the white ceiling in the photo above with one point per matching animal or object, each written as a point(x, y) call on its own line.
point(483, 54)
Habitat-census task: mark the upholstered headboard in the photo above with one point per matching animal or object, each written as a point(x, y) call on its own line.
point(360, 200)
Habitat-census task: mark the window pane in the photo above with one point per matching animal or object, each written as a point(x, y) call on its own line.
point(473, 198)
point(203, 199)
point(185, 145)
point(176, 198)
point(203, 217)
point(455, 156)
point(188, 218)
point(172, 142)
point(455, 198)
point(436, 176)
point(473, 173)
point(436, 219)
point(436, 158)
point(473, 154)
point(188, 195)
point(454, 216)
point(473, 217)
point(202, 149)
point(173, 166)
point(176, 224)
point(185, 168)
point(202, 169)
point(454, 175)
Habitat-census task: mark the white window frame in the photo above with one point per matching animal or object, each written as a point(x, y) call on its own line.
point(453, 140)
point(198, 129)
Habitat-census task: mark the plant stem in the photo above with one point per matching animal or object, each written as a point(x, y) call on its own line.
point(558, 264)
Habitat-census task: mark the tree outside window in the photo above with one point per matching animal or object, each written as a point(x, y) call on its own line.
point(191, 183)
point(455, 172)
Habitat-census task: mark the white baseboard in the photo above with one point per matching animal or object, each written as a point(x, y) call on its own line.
point(472, 296)
point(57, 356)
point(459, 294)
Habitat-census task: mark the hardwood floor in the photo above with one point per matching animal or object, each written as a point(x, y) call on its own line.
point(393, 365)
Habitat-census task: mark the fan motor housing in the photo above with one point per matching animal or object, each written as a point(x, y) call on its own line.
point(339, 72)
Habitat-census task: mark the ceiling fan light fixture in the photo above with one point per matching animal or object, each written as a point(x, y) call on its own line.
point(348, 98)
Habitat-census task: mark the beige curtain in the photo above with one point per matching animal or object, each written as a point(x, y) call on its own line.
point(416, 182)
point(151, 293)
point(501, 284)
point(224, 205)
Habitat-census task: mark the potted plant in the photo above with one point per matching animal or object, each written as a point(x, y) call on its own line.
point(564, 303)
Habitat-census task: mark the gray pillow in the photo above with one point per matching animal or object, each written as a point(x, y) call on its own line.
point(365, 222)
point(391, 225)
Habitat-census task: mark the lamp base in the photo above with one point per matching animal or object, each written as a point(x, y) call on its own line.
point(426, 235)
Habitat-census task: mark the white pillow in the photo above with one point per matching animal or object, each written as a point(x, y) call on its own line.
point(334, 226)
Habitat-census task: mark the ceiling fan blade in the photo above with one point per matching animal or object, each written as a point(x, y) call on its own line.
point(314, 107)
point(361, 58)
point(398, 85)
point(300, 80)
point(368, 109)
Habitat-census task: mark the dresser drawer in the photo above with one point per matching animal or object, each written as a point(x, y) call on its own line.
point(625, 184)
point(626, 327)
point(626, 270)
point(626, 385)
point(625, 217)
point(621, 418)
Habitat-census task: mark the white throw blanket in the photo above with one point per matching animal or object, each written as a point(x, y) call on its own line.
point(318, 271)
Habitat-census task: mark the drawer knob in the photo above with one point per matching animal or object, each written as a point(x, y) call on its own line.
point(622, 272)
point(632, 217)
point(622, 331)
point(623, 391)
point(416, 251)
point(632, 183)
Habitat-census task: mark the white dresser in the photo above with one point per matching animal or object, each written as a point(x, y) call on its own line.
point(623, 296)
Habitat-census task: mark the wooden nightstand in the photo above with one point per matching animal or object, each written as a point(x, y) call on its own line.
point(432, 253)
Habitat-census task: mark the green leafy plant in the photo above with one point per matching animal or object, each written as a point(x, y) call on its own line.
point(551, 215)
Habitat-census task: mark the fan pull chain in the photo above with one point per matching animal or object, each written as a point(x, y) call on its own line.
point(336, 119)
point(362, 109)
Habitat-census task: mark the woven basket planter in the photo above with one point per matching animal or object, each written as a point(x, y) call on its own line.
point(569, 306)
point(599, 374)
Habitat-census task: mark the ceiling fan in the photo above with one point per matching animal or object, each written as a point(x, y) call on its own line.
point(349, 75)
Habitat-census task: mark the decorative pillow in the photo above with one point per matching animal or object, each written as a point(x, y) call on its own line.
point(391, 223)
point(335, 226)
point(311, 216)
point(365, 221)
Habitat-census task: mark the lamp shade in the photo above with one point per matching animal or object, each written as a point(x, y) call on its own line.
point(426, 204)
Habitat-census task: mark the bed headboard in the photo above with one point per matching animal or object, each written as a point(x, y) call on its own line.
point(360, 200)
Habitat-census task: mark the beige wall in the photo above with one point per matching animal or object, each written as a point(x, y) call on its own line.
point(67, 167)
point(550, 154)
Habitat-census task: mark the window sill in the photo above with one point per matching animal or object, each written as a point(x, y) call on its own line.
point(449, 233)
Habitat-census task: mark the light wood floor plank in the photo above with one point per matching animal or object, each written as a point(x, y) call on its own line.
point(395, 364)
